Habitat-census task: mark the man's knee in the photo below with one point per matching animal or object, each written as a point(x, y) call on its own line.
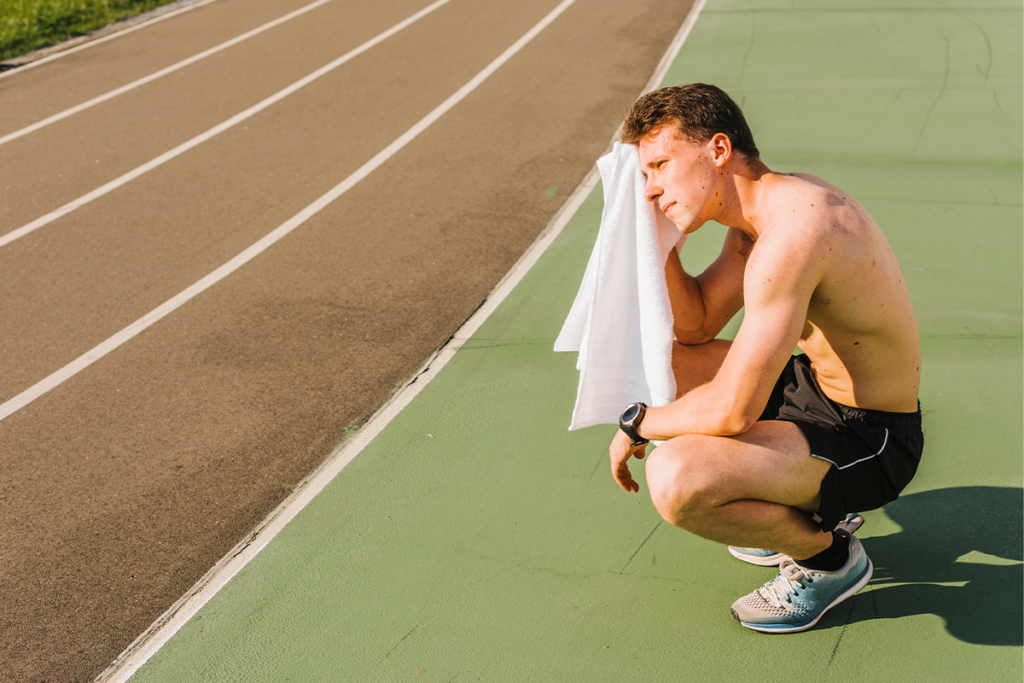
point(681, 480)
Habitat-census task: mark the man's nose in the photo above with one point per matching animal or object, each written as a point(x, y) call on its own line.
point(652, 190)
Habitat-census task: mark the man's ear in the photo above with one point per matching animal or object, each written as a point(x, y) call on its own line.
point(721, 149)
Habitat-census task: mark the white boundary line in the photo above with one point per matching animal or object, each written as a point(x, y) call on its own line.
point(117, 33)
point(57, 378)
point(216, 130)
point(171, 621)
point(675, 46)
point(146, 645)
point(158, 74)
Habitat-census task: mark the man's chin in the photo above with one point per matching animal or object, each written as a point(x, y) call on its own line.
point(687, 227)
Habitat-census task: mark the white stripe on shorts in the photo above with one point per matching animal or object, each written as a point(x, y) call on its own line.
point(885, 441)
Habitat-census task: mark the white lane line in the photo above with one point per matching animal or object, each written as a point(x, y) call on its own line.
point(171, 621)
point(216, 130)
point(116, 34)
point(158, 74)
point(88, 358)
point(674, 47)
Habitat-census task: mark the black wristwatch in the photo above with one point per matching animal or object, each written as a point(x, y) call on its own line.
point(629, 422)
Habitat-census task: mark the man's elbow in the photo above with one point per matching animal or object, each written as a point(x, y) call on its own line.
point(693, 337)
point(737, 420)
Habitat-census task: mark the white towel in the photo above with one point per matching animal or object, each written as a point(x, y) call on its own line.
point(621, 321)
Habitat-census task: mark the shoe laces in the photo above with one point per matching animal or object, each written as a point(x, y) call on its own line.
point(780, 591)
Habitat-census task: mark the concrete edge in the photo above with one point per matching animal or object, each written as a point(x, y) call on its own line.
point(171, 621)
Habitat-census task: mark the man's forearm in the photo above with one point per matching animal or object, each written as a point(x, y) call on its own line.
point(704, 410)
point(688, 308)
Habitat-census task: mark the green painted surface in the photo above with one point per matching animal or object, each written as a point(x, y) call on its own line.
point(477, 539)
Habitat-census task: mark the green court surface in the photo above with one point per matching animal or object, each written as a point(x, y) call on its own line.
point(477, 539)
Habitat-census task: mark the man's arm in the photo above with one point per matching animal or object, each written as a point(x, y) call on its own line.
point(703, 305)
point(780, 278)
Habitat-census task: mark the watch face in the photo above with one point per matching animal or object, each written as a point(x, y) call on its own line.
point(630, 413)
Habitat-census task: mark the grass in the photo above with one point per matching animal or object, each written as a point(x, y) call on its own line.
point(27, 25)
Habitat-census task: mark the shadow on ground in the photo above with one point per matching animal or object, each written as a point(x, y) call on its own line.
point(958, 556)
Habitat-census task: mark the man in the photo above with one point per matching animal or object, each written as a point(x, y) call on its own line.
point(761, 444)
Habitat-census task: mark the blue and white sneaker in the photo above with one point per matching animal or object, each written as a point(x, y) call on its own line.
point(798, 597)
point(769, 558)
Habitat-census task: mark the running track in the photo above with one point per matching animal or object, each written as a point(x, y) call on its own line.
point(494, 547)
point(474, 538)
point(228, 237)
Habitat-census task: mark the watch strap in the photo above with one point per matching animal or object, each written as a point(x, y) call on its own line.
point(629, 427)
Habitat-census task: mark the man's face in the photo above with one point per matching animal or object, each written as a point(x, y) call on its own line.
point(680, 177)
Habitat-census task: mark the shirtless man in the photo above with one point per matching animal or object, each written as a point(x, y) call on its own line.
point(762, 444)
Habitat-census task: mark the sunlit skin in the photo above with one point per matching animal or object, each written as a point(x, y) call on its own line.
point(811, 269)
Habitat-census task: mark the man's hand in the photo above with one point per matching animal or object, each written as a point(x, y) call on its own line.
point(620, 452)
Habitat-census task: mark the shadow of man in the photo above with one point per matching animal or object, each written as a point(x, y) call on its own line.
point(958, 556)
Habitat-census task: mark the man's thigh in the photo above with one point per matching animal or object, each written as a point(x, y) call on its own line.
point(694, 366)
point(770, 462)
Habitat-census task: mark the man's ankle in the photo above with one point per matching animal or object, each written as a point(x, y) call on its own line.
point(830, 559)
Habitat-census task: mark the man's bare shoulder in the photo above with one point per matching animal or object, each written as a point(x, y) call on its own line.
point(801, 213)
point(807, 227)
point(794, 215)
point(814, 202)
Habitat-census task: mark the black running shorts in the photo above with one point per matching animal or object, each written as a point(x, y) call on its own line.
point(874, 454)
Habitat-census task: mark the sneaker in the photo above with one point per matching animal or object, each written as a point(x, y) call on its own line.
point(798, 597)
point(770, 558)
point(759, 556)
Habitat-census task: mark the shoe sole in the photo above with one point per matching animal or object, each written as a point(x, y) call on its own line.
point(774, 560)
point(767, 561)
point(852, 590)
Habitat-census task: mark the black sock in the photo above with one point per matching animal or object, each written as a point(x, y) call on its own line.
point(831, 558)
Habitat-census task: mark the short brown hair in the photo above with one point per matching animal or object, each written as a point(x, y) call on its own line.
point(698, 110)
